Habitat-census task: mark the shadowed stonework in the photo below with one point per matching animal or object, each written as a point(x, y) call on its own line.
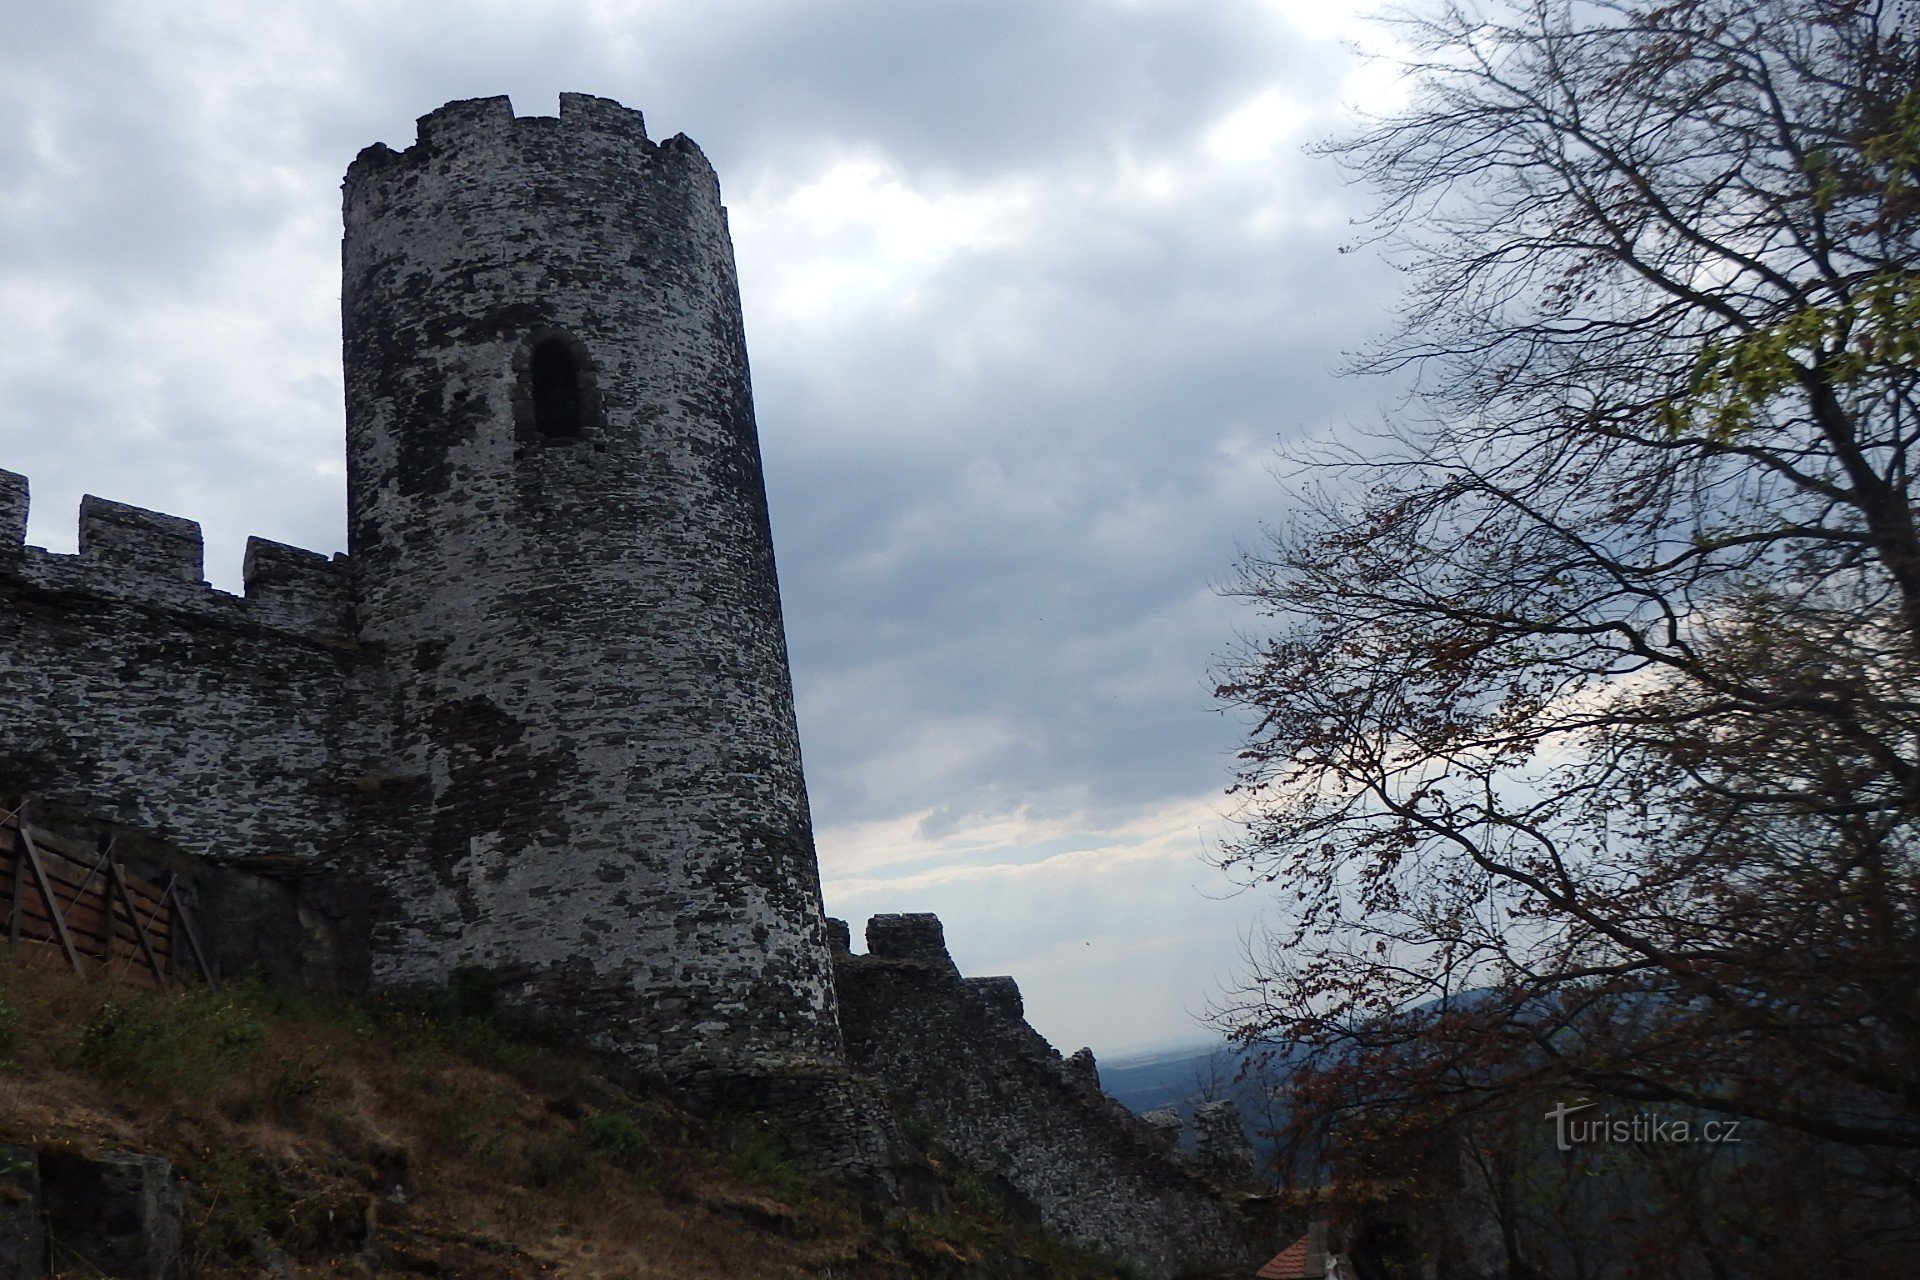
point(957, 1054)
point(559, 534)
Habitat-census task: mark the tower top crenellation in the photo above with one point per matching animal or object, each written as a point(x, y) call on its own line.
point(489, 122)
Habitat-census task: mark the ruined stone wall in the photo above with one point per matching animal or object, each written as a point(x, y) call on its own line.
point(222, 724)
point(588, 671)
point(958, 1053)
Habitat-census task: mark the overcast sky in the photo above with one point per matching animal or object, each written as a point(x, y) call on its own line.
point(1033, 289)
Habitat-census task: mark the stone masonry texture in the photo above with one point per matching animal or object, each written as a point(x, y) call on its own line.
point(957, 1053)
point(114, 1215)
point(138, 693)
point(580, 637)
point(23, 1227)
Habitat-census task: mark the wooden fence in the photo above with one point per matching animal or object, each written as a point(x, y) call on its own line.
point(69, 904)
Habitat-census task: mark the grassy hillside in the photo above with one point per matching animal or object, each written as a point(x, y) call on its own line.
point(412, 1137)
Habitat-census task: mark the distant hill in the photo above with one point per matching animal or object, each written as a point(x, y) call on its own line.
point(1182, 1076)
point(1165, 1077)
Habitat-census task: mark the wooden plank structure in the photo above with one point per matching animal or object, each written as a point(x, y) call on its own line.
point(86, 910)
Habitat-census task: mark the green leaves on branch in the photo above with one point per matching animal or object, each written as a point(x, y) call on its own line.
point(1873, 332)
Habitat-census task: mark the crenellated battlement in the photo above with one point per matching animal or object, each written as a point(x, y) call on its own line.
point(999, 992)
point(484, 126)
point(584, 111)
point(131, 555)
point(917, 937)
point(490, 119)
point(296, 589)
point(456, 123)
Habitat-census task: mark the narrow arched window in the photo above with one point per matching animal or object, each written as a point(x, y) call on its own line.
point(559, 406)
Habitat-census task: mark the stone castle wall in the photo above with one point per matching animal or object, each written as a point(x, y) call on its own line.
point(227, 725)
point(543, 708)
point(958, 1053)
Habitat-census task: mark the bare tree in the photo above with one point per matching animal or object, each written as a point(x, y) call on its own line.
point(1587, 741)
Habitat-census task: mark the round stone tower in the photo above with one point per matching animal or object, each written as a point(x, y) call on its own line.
point(565, 581)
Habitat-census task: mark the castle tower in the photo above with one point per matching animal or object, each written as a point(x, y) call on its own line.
point(562, 561)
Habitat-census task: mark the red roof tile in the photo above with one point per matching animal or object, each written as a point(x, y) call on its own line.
point(1288, 1264)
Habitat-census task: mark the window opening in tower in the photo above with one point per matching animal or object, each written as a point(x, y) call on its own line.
point(557, 402)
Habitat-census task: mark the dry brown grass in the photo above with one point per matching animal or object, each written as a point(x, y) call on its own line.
point(370, 1140)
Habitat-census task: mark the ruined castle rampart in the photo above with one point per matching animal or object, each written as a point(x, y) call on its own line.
point(543, 707)
point(958, 1053)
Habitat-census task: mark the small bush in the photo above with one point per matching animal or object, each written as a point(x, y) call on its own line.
point(297, 1081)
point(973, 1194)
point(615, 1135)
point(10, 1037)
point(189, 1042)
point(237, 1209)
point(470, 1017)
point(753, 1153)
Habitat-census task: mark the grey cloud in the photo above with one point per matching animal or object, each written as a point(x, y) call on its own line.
point(1033, 540)
point(960, 89)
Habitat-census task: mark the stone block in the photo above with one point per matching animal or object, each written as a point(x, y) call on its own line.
point(1001, 994)
point(603, 115)
point(1220, 1140)
point(295, 588)
point(471, 118)
point(1082, 1070)
point(916, 937)
point(113, 1215)
point(13, 511)
point(159, 546)
point(23, 1236)
point(1163, 1128)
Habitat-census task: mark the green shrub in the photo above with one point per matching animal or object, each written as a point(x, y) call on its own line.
point(297, 1081)
point(616, 1135)
point(189, 1042)
point(973, 1194)
point(753, 1154)
point(470, 1017)
point(474, 992)
point(10, 1036)
point(237, 1208)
